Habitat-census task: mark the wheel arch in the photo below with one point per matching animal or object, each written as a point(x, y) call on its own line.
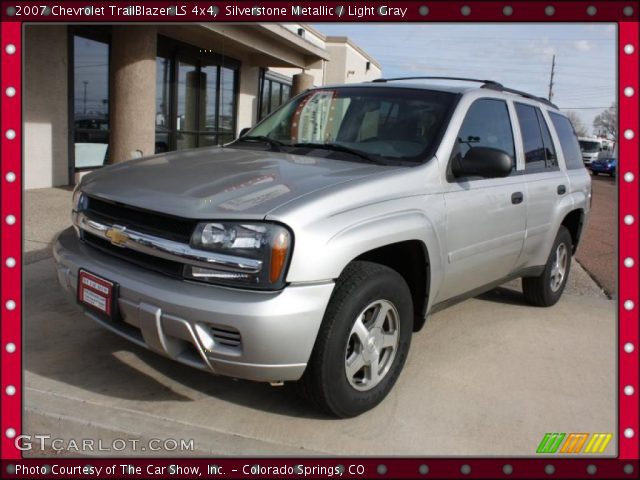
point(324, 249)
point(410, 258)
point(574, 221)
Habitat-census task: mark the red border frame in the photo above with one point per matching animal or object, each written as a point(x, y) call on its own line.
point(439, 11)
point(10, 155)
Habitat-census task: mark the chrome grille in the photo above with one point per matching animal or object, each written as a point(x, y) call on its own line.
point(150, 245)
point(145, 221)
point(160, 265)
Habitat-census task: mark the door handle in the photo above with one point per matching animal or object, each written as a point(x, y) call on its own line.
point(517, 198)
point(562, 189)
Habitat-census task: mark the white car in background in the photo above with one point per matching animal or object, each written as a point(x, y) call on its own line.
point(593, 147)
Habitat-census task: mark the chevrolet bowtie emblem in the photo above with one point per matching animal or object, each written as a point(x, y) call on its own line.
point(117, 236)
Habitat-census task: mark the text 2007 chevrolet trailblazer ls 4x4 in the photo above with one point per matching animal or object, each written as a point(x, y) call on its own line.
point(311, 248)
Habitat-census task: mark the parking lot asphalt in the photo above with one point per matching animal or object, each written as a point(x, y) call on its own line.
point(489, 376)
point(598, 248)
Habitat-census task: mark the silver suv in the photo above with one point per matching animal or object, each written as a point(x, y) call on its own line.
point(315, 245)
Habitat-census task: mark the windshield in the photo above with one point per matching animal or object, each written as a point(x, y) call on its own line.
point(589, 147)
point(371, 123)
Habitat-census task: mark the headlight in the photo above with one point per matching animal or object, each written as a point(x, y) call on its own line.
point(268, 243)
point(79, 200)
point(78, 203)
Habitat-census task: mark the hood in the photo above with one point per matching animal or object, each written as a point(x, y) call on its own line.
point(219, 182)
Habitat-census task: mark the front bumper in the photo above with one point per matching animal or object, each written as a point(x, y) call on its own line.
point(262, 336)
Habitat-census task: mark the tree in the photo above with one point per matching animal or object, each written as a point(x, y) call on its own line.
point(578, 124)
point(606, 123)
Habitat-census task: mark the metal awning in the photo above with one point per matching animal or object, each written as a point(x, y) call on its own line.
point(266, 45)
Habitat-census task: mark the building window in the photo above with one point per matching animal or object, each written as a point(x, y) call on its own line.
point(274, 91)
point(90, 102)
point(196, 97)
point(227, 118)
point(163, 103)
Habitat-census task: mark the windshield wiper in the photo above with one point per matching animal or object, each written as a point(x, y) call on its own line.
point(275, 144)
point(339, 148)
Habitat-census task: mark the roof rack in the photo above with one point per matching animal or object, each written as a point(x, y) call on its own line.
point(489, 84)
point(522, 94)
point(459, 79)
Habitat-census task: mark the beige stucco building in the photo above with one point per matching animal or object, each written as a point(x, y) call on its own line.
point(99, 94)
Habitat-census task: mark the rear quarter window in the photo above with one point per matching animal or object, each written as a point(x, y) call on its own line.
point(568, 141)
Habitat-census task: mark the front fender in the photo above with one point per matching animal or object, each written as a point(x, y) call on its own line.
point(324, 248)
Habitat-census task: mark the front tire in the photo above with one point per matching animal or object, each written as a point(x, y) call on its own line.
point(363, 341)
point(546, 289)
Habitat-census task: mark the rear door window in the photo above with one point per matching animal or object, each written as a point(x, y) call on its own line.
point(539, 152)
point(568, 141)
point(549, 149)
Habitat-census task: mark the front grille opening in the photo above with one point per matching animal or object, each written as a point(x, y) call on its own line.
point(227, 336)
point(191, 356)
point(131, 332)
point(145, 221)
point(157, 264)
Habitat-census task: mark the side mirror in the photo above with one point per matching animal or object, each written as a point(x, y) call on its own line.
point(483, 162)
point(244, 131)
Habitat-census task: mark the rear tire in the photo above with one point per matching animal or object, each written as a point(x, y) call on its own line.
point(546, 289)
point(363, 341)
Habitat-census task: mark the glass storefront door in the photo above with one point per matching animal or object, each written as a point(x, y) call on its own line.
point(196, 97)
point(187, 122)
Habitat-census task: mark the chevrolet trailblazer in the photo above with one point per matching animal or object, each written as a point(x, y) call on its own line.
point(311, 248)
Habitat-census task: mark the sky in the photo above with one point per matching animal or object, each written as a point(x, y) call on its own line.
point(517, 55)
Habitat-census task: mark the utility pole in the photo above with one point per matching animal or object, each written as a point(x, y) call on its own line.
point(553, 67)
